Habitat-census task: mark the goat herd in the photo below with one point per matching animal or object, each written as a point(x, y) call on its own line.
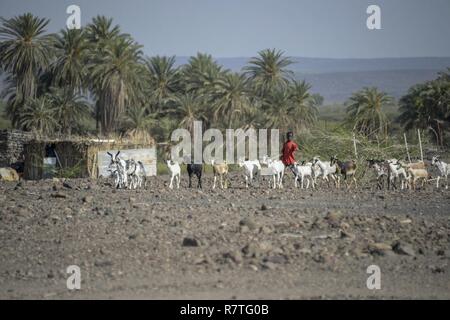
point(131, 174)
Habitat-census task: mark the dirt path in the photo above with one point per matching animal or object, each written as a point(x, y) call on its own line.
point(235, 243)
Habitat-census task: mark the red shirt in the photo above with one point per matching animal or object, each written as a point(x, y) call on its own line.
point(289, 148)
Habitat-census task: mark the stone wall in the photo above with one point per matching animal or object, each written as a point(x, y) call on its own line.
point(11, 146)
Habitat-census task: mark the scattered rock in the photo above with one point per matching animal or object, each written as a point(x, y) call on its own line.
point(235, 256)
point(88, 199)
point(264, 207)
point(250, 223)
point(244, 229)
point(59, 195)
point(269, 265)
point(403, 248)
point(255, 250)
point(346, 234)
point(379, 248)
point(103, 263)
point(67, 185)
point(333, 218)
point(280, 259)
point(190, 242)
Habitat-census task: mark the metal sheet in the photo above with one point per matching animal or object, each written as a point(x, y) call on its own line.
point(146, 156)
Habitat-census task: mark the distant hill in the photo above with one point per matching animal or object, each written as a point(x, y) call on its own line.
point(338, 86)
point(326, 65)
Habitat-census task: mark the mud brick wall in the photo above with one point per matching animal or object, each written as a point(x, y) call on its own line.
point(11, 145)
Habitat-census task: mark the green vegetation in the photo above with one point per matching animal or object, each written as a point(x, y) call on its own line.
point(97, 81)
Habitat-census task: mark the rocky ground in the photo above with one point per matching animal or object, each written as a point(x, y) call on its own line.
point(227, 244)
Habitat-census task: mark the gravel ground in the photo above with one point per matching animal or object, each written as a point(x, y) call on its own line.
point(221, 244)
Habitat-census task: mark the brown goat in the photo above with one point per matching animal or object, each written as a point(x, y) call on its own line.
point(221, 170)
point(347, 169)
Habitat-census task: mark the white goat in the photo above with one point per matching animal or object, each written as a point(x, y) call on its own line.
point(326, 169)
point(381, 170)
point(444, 170)
point(276, 169)
point(175, 172)
point(118, 166)
point(136, 174)
point(251, 168)
point(305, 171)
point(397, 171)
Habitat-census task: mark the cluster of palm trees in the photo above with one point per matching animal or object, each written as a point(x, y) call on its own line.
point(426, 106)
point(57, 83)
point(69, 81)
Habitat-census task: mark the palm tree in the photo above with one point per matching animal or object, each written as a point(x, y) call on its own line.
point(117, 75)
point(231, 99)
point(138, 118)
point(101, 30)
point(268, 71)
point(280, 111)
point(100, 33)
point(25, 51)
point(304, 103)
point(70, 107)
point(201, 73)
point(190, 108)
point(163, 79)
point(427, 106)
point(365, 112)
point(39, 115)
point(70, 67)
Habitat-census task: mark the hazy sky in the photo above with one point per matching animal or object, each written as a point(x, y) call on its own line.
point(237, 28)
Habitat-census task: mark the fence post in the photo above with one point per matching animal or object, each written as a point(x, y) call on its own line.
point(420, 144)
point(406, 146)
point(354, 146)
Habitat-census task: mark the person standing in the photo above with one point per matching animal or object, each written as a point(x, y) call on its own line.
point(287, 153)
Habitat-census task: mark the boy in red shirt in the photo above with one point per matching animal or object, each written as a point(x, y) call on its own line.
point(287, 153)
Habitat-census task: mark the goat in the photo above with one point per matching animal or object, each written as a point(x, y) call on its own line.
point(305, 170)
point(397, 171)
point(116, 174)
point(197, 170)
point(118, 166)
point(175, 173)
point(413, 165)
point(326, 169)
point(381, 170)
point(415, 175)
point(444, 170)
point(251, 168)
point(221, 170)
point(276, 169)
point(347, 169)
point(136, 174)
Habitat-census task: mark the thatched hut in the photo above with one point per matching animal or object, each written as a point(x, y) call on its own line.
point(78, 157)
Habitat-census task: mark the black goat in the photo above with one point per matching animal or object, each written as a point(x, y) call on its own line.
point(196, 169)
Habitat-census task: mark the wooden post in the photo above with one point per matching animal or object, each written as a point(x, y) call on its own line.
point(420, 145)
point(406, 146)
point(354, 146)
